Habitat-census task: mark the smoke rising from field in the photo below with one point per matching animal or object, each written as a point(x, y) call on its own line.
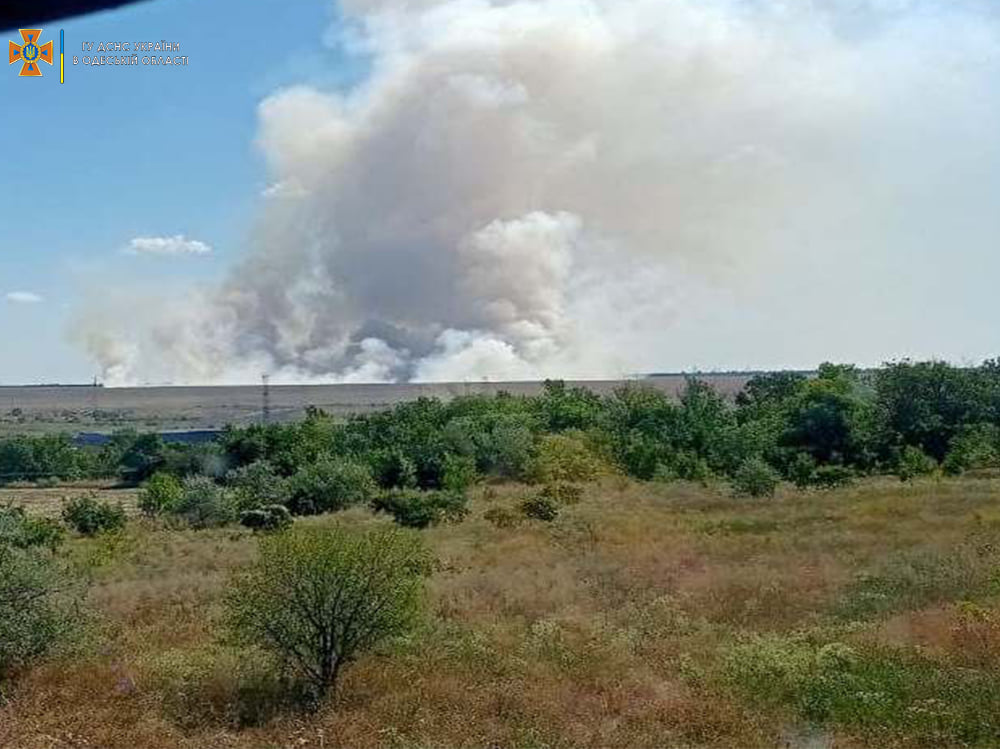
point(542, 187)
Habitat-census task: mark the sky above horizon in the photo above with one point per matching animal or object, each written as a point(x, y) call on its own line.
point(119, 154)
point(127, 179)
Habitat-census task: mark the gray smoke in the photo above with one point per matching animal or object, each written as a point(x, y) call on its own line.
point(544, 187)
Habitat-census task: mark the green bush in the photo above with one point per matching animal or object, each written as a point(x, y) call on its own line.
point(540, 507)
point(268, 518)
point(975, 448)
point(257, 485)
point(913, 463)
point(421, 509)
point(35, 607)
point(565, 458)
point(204, 504)
point(459, 473)
point(161, 494)
point(329, 486)
point(755, 478)
point(22, 531)
point(319, 598)
point(87, 516)
point(879, 691)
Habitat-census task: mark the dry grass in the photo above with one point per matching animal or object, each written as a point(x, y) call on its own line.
point(49, 501)
point(606, 628)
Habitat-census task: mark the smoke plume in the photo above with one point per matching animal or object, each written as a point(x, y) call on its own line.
point(526, 188)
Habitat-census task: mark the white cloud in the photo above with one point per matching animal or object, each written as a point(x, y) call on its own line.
point(175, 245)
point(24, 297)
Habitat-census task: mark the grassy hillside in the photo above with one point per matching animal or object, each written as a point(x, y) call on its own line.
point(646, 615)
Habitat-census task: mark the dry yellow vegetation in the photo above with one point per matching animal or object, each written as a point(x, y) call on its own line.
point(644, 616)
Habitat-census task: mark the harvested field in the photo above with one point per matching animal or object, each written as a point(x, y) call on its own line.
point(48, 502)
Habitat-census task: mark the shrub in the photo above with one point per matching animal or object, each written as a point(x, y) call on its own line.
point(878, 690)
point(269, 518)
point(755, 478)
point(914, 462)
point(87, 516)
point(257, 485)
point(34, 611)
point(975, 448)
point(19, 530)
point(330, 485)
point(160, 494)
point(832, 476)
point(421, 509)
point(459, 473)
point(204, 504)
point(540, 507)
point(565, 457)
point(319, 598)
point(690, 466)
point(393, 470)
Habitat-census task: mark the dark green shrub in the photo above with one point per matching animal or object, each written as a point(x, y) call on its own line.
point(540, 507)
point(204, 504)
point(87, 516)
point(317, 599)
point(160, 494)
point(421, 509)
point(268, 518)
point(393, 470)
point(22, 531)
point(755, 478)
point(329, 486)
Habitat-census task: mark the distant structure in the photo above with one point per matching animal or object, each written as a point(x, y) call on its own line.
point(266, 397)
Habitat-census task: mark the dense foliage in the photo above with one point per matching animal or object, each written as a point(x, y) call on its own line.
point(822, 430)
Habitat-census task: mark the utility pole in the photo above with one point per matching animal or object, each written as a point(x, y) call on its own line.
point(266, 395)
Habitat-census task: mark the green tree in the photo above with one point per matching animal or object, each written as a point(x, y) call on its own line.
point(319, 598)
point(35, 607)
point(330, 485)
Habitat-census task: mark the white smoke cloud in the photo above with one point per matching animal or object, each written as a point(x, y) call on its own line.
point(175, 245)
point(574, 187)
point(24, 297)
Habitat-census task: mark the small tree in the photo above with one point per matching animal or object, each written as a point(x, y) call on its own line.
point(205, 504)
point(755, 478)
point(257, 485)
point(162, 493)
point(34, 611)
point(319, 598)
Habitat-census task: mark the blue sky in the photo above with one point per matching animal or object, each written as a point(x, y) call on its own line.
point(836, 201)
point(118, 153)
